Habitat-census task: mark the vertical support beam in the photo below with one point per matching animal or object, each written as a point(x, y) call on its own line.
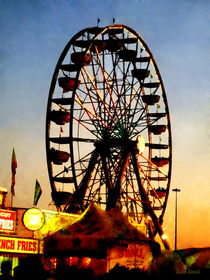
point(79, 194)
point(115, 191)
point(147, 208)
point(108, 175)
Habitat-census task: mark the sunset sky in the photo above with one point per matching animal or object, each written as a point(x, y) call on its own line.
point(33, 34)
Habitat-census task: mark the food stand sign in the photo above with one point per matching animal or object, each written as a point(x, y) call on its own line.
point(7, 220)
point(33, 219)
point(133, 256)
point(19, 245)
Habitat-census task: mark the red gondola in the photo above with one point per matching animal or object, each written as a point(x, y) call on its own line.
point(68, 83)
point(157, 129)
point(127, 55)
point(150, 99)
point(80, 58)
point(160, 161)
point(113, 45)
point(140, 74)
point(160, 192)
point(60, 117)
point(58, 157)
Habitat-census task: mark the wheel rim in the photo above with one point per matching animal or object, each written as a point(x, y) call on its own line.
point(116, 95)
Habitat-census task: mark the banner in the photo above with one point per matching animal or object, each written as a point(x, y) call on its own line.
point(37, 192)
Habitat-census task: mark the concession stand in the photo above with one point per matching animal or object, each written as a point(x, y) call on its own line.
point(100, 240)
point(16, 241)
point(22, 231)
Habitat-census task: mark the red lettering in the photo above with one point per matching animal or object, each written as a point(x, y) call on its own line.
point(34, 246)
point(7, 245)
point(23, 245)
point(139, 253)
point(3, 244)
point(129, 253)
point(19, 244)
point(121, 251)
point(12, 244)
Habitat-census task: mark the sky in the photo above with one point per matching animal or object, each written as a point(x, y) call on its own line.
point(33, 35)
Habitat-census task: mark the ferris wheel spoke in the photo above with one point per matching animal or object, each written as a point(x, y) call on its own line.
point(85, 126)
point(80, 192)
point(99, 95)
point(133, 95)
point(123, 89)
point(82, 162)
point(113, 75)
point(135, 205)
point(99, 104)
point(108, 176)
point(106, 81)
point(149, 183)
point(88, 94)
point(93, 188)
point(89, 113)
point(113, 71)
point(135, 200)
point(138, 123)
point(155, 167)
point(115, 192)
point(136, 106)
point(145, 201)
point(117, 82)
point(143, 109)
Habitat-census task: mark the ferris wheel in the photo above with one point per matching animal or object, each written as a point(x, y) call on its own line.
point(108, 133)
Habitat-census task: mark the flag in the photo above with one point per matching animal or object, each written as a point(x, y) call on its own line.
point(37, 192)
point(13, 167)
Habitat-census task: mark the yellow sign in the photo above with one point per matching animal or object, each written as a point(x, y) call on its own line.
point(19, 245)
point(33, 219)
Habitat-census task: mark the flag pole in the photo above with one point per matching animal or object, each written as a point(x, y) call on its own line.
point(11, 200)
